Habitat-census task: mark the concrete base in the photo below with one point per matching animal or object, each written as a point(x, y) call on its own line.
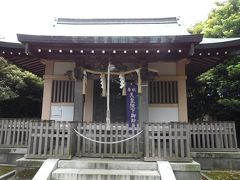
point(27, 168)
point(186, 171)
point(10, 155)
point(217, 160)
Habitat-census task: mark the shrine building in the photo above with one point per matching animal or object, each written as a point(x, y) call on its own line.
point(116, 88)
point(81, 60)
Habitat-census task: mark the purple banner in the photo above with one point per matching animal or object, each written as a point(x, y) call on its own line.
point(132, 103)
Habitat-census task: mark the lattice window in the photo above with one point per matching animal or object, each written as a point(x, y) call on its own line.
point(63, 91)
point(163, 92)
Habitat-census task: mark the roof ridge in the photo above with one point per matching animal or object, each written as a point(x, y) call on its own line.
point(106, 21)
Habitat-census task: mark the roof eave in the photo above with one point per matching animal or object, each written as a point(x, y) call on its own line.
point(24, 38)
point(232, 43)
point(11, 45)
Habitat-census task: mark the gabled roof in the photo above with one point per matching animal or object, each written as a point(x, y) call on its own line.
point(134, 40)
point(81, 31)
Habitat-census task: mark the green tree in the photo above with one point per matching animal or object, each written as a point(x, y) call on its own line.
point(223, 21)
point(20, 92)
point(10, 80)
point(216, 92)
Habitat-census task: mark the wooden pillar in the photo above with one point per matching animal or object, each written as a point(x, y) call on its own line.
point(78, 101)
point(143, 104)
point(182, 101)
point(182, 92)
point(78, 96)
point(88, 102)
point(47, 91)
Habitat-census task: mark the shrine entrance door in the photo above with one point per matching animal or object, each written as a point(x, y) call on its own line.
point(117, 104)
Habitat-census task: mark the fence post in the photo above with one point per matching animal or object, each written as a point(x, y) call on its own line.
point(146, 143)
point(72, 140)
point(188, 141)
point(30, 138)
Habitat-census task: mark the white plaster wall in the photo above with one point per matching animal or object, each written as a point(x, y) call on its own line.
point(62, 113)
point(163, 114)
point(61, 68)
point(164, 68)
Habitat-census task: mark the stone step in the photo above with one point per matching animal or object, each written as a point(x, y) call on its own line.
point(104, 174)
point(107, 164)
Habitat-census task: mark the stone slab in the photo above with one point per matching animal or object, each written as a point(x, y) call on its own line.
point(23, 162)
point(44, 173)
point(107, 164)
point(13, 150)
point(186, 166)
point(223, 155)
point(186, 171)
point(102, 174)
point(165, 170)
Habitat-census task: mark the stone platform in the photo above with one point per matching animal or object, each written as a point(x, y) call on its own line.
point(112, 169)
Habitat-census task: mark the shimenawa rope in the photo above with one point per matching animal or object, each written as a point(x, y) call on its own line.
point(111, 142)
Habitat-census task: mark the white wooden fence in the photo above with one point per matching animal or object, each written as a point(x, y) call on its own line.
point(159, 141)
point(51, 139)
point(167, 141)
point(118, 132)
point(213, 136)
point(14, 132)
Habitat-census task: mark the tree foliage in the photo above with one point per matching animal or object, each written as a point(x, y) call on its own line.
point(216, 92)
point(224, 21)
point(20, 92)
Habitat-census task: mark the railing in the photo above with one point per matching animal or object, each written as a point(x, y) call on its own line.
point(167, 141)
point(14, 133)
point(159, 141)
point(213, 136)
point(109, 142)
point(51, 139)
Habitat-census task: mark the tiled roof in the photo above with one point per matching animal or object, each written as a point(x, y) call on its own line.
point(152, 39)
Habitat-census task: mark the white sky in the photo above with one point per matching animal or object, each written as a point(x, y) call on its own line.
point(31, 16)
